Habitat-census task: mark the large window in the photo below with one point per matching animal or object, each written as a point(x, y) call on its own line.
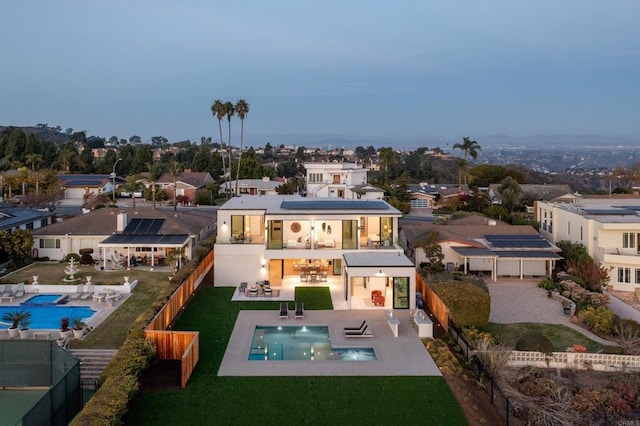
point(50, 243)
point(624, 275)
point(349, 234)
point(275, 234)
point(247, 229)
point(386, 231)
point(628, 240)
point(401, 292)
point(637, 276)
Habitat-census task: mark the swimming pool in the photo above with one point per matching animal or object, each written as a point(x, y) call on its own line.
point(301, 343)
point(44, 299)
point(49, 316)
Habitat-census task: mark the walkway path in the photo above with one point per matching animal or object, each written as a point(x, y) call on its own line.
point(515, 301)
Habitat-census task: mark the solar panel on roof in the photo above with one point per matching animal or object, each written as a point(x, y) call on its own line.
point(609, 212)
point(520, 243)
point(144, 226)
point(335, 205)
point(512, 237)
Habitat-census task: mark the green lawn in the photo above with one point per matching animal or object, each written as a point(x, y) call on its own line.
point(209, 399)
point(560, 336)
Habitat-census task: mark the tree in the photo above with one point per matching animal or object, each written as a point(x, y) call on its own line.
point(388, 157)
point(16, 245)
point(432, 251)
point(219, 111)
point(135, 139)
point(594, 276)
point(229, 111)
point(155, 171)
point(469, 147)
point(510, 192)
point(175, 170)
point(242, 109)
point(158, 141)
point(462, 170)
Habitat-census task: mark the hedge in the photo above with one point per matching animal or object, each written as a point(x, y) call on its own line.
point(469, 304)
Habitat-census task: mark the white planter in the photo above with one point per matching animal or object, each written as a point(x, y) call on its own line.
point(66, 334)
point(78, 333)
point(25, 334)
point(13, 333)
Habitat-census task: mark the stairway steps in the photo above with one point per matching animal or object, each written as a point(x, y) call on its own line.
point(92, 363)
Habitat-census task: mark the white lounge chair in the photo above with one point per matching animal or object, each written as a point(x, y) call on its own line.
point(19, 290)
point(88, 291)
point(79, 292)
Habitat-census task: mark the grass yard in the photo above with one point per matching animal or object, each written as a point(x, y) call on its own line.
point(209, 399)
point(560, 336)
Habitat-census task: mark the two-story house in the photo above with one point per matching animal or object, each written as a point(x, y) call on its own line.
point(350, 244)
point(608, 228)
point(340, 180)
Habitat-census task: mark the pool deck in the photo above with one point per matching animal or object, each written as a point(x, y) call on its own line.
point(404, 355)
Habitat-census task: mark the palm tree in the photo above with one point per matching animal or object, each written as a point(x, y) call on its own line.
point(175, 170)
point(219, 111)
point(155, 171)
point(388, 157)
point(242, 109)
point(462, 170)
point(469, 147)
point(229, 110)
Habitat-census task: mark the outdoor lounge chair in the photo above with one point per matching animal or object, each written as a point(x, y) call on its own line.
point(284, 310)
point(299, 310)
point(88, 292)
point(366, 332)
point(19, 290)
point(4, 294)
point(79, 292)
point(362, 327)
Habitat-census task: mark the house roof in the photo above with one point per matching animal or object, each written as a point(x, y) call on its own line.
point(104, 222)
point(84, 180)
point(541, 192)
point(376, 259)
point(519, 254)
point(254, 183)
point(12, 217)
point(364, 188)
point(195, 179)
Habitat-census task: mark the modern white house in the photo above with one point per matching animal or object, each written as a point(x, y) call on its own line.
point(608, 228)
point(289, 238)
point(340, 180)
point(478, 245)
point(264, 186)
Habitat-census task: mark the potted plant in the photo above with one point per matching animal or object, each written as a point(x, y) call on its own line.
point(65, 331)
point(78, 328)
point(14, 317)
point(24, 331)
point(566, 306)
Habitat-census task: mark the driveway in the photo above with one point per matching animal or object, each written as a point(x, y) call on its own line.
point(514, 301)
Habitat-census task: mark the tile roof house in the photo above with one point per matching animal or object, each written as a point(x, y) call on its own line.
point(186, 184)
point(480, 245)
point(130, 232)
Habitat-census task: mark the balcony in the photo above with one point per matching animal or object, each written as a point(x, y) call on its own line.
point(628, 257)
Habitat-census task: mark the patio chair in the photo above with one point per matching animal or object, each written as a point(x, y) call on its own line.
point(362, 327)
point(88, 292)
point(303, 276)
point(19, 290)
point(284, 310)
point(299, 310)
point(366, 332)
point(243, 287)
point(6, 293)
point(79, 292)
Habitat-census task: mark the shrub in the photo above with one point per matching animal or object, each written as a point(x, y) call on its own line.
point(469, 305)
point(613, 350)
point(69, 256)
point(547, 284)
point(534, 342)
point(598, 318)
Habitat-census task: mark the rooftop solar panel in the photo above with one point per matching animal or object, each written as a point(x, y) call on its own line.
point(144, 226)
point(609, 212)
point(338, 204)
point(520, 243)
point(512, 237)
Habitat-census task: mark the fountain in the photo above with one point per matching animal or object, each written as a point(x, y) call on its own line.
point(71, 270)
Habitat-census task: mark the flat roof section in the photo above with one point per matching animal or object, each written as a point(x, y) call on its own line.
point(375, 259)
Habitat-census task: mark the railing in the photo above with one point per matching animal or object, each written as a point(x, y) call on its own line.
point(183, 345)
point(576, 360)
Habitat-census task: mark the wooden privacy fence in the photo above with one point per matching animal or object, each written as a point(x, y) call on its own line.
point(433, 302)
point(182, 345)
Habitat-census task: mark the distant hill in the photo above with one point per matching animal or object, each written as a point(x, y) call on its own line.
point(45, 133)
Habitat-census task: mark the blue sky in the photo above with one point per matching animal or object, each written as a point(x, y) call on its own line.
point(405, 73)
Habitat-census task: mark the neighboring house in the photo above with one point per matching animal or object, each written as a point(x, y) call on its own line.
point(425, 195)
point(22, 218)
point(74, 187)
point(186, 184)
point(352, 241)
point(340, 180)
point(264, 186)
point(125, 232)
point(561, 193)
point(609, 229)
point(476, 244)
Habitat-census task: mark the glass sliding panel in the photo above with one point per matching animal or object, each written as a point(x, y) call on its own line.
point(237, 229)
point(401, 292)
point(275, 234)
point(386, 231)
point(349, 234)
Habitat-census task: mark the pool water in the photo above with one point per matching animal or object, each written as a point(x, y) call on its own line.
point(44, 299)
point(301, 343)
point(49, 316)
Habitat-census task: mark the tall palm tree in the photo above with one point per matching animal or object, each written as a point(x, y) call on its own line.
point(219, 111)
point(175, 170)
point(242, 109)
point(469, 147)
point(155, 171)
point(388, 157)
point(462, 170)
point(229, 110)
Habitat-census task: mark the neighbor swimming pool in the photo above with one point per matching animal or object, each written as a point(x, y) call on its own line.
point(301, 343)
point(46, 312)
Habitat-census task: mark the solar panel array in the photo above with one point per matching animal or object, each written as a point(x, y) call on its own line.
point(338, 204)
point(517, 241)
point(143, 227)
point(146, 239)
point(610, 212)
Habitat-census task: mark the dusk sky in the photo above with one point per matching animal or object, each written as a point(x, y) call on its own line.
point(405, 73)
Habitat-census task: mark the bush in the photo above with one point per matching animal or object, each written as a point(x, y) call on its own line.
point(534, 342)
point(598, 318)
point(69, 256)
point(547, 284)
point(469, 305)
point(612, 350)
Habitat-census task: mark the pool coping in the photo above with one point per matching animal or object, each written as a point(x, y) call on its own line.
point(404, 355)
